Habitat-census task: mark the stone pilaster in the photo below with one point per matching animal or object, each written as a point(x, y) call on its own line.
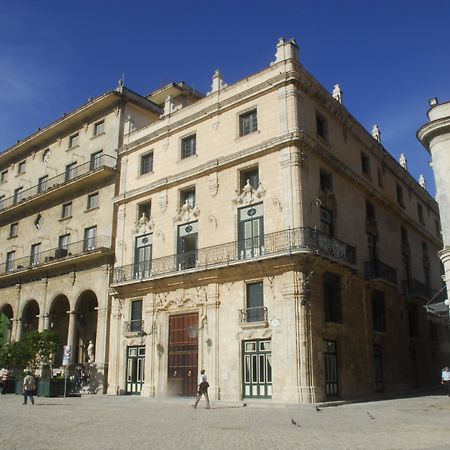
point(114, 372)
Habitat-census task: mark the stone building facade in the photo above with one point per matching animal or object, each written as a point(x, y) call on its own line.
point(57, 225)
point(264, 235)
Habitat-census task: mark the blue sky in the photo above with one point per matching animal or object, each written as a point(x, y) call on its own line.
point(389, 57)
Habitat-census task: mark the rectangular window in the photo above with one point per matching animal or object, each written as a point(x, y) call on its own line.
point(4, 176)
point(145, 209)
point(146, 165)
point(18, 195)
point(136, 316)
point(63, 242)
point(2, 202)
point(187, 245)
point(380, 177)
point(188, 196)
point(90, 235)
point(400, 198)
point(378, 311)
point(74, 140)
point(420, 214)
point(42, 184)
point(99, 128)
point(255, 302)
point(250, 175)
point(21, 167)
point(404, 235)
point(321, 126)
point(248, 123)
point(365, 164)
point(188, 146)
point(34, 254)
point(326, 184)
point(413, 320)
point(9, 266)
point(370, 212)
point(332, 298)
point(331, 369)
point(437, 228)
point(142, 256)
point(326, 221)
point(96, 160)
point(66, 210)
point(71, 171)
point(92, 200)
point(251, 231)
point(13, 229)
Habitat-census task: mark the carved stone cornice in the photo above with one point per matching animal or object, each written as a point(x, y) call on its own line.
point(249, 194)
point(187, 213)
point(144, 225)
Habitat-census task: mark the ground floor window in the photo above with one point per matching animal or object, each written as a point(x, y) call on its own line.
point(135, 369)
point(257, 365)
point(331, 370)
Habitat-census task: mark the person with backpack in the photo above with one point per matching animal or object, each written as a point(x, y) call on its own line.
point(29, 386)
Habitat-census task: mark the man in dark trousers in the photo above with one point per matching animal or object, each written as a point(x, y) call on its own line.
point(446, 379)
point(202, 389)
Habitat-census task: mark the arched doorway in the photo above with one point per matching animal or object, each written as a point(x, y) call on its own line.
point(86, 325)
point(6, 315)
point(30, 317)
point(59, 323)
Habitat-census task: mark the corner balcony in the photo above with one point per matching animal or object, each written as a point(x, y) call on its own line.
point(377, 270)
point(416, 288)
point(63, 184)
point(56, 258)
point(282, 243)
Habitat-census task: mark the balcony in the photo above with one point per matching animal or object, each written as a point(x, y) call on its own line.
point(253, 317)
point(133, 326)
point(56, 256)
point(416, 288)
point(282, 243)
point(72, 180)
point(379, 270)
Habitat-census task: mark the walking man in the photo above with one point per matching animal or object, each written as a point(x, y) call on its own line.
point(29, 385)
point(446, 379)
point(5, 378)
point(202, 389)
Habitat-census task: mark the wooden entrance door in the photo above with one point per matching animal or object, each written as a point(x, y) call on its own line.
point(183, 355)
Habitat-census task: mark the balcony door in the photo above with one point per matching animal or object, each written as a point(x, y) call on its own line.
point(90, 235)
point(187, 245)
point(251, 231)
point(257, 365)
point(142, 256)
point(135, 369)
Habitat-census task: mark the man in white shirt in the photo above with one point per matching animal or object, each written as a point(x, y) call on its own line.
point(202, 389)
point(446, 379)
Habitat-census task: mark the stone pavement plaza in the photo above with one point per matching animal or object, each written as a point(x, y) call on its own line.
point(141, 423)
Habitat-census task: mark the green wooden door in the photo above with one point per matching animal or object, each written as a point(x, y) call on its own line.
point(257, 365)
point(135, 369)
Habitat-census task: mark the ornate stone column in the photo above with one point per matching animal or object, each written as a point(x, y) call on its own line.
point(100, 348)
point(114, 345)
point(71, 331)
point(16, 331)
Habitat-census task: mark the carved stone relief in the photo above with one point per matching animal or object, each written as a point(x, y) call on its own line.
point(249, 194)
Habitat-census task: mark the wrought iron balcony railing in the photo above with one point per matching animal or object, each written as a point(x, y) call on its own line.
point(255, 314)
point(414, 287)
point(79, 248)
point(133, 326)
point(292, 241)
point(378, 269)
point(69, 175)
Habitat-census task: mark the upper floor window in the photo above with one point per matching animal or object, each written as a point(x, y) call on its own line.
point(251, 175)
point(4, 176)
point(321, 126)
point(365, 164)
point(400, 198)
point(66, 210)
point(9, 265)
point(326, 221)
point(370, 212)
point(46, 156)
point(21, 167)
point(96, 160)
point(2, 202)
point(146, 165)
point(34, 254)
point(248, 122)
point(64, 241)
point(404, 235)
point(42, 184)
point(413, 320)
point(251, 231)
point(326, 184)
point(378, 311)
point(71, 171)
point(145, 208)
point(332, 298)
point(18, 193)
point(188, 196)
point(437, 228)
point(90, 235)
point(255, 302)
point(420, 214)
point(92, 200)
point(13, 229)
point(99, 128)
point(380, 177)
point(74, 140)
point(188, 146)
point(136, 316)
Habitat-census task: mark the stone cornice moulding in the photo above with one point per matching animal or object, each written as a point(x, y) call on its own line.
point(432, 129)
